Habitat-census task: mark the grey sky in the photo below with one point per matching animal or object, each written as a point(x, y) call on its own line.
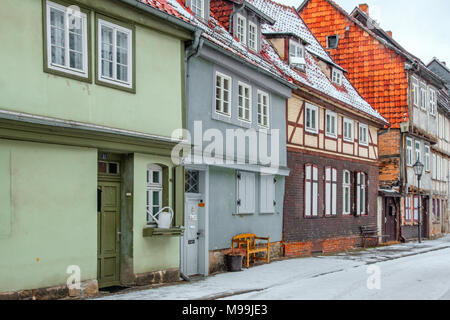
point(421, 27)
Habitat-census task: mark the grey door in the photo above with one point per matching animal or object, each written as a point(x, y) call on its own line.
point(191, 236)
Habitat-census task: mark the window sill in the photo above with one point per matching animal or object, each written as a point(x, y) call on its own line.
point(242, 214)
point(154, 232)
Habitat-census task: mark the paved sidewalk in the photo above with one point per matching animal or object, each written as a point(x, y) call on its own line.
point(408, 271)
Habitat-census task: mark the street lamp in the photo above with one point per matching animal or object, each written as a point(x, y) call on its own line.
point(418, 170)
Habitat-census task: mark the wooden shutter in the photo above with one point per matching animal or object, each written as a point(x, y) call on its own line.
point(246, 192)
point(334, 192)
point(178, 195)
point(267, 193)
point(308, 182)
point(315, 191)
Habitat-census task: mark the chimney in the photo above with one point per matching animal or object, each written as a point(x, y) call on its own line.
point(364, 7)
point(389, 33)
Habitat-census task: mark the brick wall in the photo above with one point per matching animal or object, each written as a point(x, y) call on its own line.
point(303, 236)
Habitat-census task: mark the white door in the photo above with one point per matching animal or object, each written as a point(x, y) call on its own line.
point(191, 236)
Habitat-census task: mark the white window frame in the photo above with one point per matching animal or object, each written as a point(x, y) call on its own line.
point(199, 11)
point(252, 36)
point(432, 101)
point(438, 168)
point(346, 186)
point(309, 109)
point(244, 98)
point(330, 191)
point(364, 127)
point(361, 194)
point(408, 208)
point(409, 152)
point(267, 194)
point(246, 192)
point(336, 76)
point(294, 48)
point(415, 208)
point(417, 151)
point(333, 118)
point(260, 109)
point(84, 72)
point(241, 35)
point(311, 191)
point(415, 90)
point(348, 122)
point(153, 187)
point(433, 166)
point(427, 159)
point(223, 93)
point(423, 96)
point(114, 80)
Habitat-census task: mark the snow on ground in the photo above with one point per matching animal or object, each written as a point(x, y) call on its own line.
point(407, 271)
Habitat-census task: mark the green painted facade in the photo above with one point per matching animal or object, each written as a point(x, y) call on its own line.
point(49, 175)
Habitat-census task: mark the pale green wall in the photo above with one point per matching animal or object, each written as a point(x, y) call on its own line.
point(50, 191)
point(155, 108)
point(151, 253)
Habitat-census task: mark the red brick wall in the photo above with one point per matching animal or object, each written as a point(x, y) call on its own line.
point(376, 71)
point(301, 234)
point(222, 10)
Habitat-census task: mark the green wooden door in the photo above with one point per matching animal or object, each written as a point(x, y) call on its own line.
point(108, 272)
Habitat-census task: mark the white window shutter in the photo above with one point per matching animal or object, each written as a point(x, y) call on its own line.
point(267, 195)
point(315, 192)
point(246, 192)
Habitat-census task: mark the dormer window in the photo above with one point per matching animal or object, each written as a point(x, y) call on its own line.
point(252, 36)
point(337, 76)
point(296, 54)
point(197, 7)
point(241, 31)
point(332, 41)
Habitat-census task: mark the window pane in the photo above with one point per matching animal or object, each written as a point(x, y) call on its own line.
point(156, 177)
point(122, 73)
point(107, 52)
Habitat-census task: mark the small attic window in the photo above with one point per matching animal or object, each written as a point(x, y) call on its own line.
point(296, 54)
point(332, 41)
point(197, 7)
point(337, 76)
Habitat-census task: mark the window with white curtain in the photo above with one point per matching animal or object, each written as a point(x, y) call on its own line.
point(115, 54)
point(66, 33)
point(311, 190)
point(346, 189)
point(330, 191)
point(154, 191)
point(416, 208)
point(408, 208)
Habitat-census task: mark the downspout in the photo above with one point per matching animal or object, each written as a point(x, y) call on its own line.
point(235, 11)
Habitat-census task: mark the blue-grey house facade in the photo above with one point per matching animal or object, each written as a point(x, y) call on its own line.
point(232, 94)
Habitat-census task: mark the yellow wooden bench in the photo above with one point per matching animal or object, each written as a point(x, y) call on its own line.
point(247, 243)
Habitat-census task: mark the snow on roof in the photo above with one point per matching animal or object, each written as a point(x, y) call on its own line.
point(288, 21)
point(218, 35)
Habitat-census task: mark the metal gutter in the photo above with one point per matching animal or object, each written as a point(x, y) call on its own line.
point(54, 122)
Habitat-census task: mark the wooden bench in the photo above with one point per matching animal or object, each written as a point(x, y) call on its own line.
point(369, 232)
point(250, 246)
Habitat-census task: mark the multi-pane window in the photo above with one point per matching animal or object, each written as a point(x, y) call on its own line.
point(361, 193)
point(154, 191)
point(418, 153)
point(66, 39)
point(223, 94)
point(415, 90)
point(416, 208)
point(363, 134)
point(246, 192)
point(252, 36)
point(192, 181)
point(267, 194)
point(296, 53)
point(348, 130)
point(115, 54)
point(433, 101)
point(330, 191)
point(434, 167)
point(311, 118)
point(244, 101)
point(331, 124)
point(427, 158)
point(423, 96)
point(346, 187)
point(409, 160)
point(197, 8)
point(311, 190)
point(263, 109)
point(408, 208)
point(241, 31)
point(336, 76)
point(438, 168)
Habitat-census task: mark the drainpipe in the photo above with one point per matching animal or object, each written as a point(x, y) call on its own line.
point(235, 11)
